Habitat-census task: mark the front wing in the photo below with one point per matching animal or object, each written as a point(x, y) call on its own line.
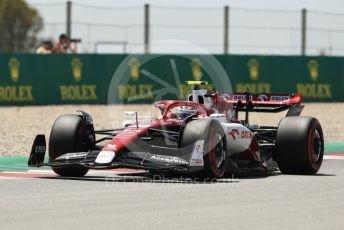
point(134, 160)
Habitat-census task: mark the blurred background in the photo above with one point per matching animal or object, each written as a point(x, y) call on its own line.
point(221, 27)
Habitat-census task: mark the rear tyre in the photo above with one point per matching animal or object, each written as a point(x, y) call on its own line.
point(299, 145)
point(215, 146)
point(68, 135)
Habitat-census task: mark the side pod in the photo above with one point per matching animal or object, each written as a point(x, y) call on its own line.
point(37, 154)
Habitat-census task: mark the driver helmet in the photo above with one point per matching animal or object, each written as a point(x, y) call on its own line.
point(185, 111)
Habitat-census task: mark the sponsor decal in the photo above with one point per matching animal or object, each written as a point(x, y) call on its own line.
point(78, 92)
point(245, 134)
point(105, 157)
point(197, 154)
point(76, 65)
point(226, 96)
point(168, 159)
point(233, 133)
point(39, 149)
point(135, 91)
point(16, 93)
point(253, 69)
point(196, 68)
point(134, 65)
point(313, 68)
point(241, 97)
point(14, 66)
point(263, 97)
point(71, 156)
point(279, 98)
point(314, 90)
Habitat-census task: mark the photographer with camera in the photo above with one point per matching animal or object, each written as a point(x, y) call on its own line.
point(66, 45)
point(46, 47)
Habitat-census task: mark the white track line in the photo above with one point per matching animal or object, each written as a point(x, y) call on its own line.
point(333, 157)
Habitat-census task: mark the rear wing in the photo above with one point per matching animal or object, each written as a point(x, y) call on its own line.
point(267, 102)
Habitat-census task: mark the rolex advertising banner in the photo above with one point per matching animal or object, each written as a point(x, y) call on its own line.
point(29, 79)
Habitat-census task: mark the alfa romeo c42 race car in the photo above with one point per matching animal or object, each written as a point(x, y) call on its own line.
point(201, 135)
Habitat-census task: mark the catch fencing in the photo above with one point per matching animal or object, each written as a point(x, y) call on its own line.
point(219, 30)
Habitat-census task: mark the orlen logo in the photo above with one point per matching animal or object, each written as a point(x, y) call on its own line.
point(246, 134)
point(241, 97)
point(243, 134)
point(279, 98)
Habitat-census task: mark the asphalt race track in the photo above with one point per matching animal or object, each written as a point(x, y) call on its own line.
point(125, 199)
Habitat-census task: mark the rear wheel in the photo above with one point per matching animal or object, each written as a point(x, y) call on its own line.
point(68, 135)
point(214, 148)
point(299, 145)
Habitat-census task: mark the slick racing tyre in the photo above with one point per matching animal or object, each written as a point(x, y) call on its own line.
point(214, 148)
point(299, 145)
point(68, 135)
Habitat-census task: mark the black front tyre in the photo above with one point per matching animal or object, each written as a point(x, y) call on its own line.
point(68, 135)
point(299, 145)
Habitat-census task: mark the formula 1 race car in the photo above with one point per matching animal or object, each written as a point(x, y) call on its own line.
point(201, 135)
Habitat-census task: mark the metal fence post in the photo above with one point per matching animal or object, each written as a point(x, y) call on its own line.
point(69, 19)
point(146, 28)
point(303, 32)
point(16, 32)
point(226, 30)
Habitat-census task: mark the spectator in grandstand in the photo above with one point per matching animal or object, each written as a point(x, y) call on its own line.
point(64, 45)
point(46, 47)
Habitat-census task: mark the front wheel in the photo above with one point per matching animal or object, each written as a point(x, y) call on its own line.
point(299, 145)
point(216, 159)
point(69, 135)
point(211, 134)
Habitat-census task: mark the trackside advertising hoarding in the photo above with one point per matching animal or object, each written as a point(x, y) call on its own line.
point(29, 79)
